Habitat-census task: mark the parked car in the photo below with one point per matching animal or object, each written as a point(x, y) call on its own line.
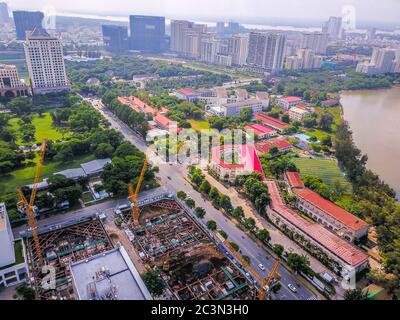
point(261, 266)
point(292, 287)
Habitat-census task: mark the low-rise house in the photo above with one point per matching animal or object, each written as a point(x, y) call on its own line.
point(331, 215)
point(230, 161)
point(298, 114)
point(265, 146)
point(271, 122)
point(95, 167)
point(341, 256)
point(329, 103)
point(289, 102)
point(261, 131)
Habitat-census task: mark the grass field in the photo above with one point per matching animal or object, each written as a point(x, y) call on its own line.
point(319, 134)
point(44, 128)
point(327, 170)
point(21, 177)
point(199, 125)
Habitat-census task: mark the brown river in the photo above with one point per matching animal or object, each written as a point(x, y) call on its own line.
point(374, 118)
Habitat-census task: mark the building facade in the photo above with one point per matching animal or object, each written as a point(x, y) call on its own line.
point(115, 38)
point(237, 48)
point(26, 21)
point(44, 56)
point(4, 15)
point(13, 269)
point(316, 41)
point(266, 51)
point(147, 33)
point(333, 27)
point(11, 85)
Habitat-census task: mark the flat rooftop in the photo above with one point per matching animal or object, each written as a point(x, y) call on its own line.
point(109, 275)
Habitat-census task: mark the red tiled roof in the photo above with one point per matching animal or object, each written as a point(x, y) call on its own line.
point(162, 120)
point(331, 242)
point(294, 180)
point(137, 105)
point(291, 99)
point(265, 146)
point(249, 158)
point(260, 129)
point(270, 121)
point(332, 209)
point(186, 91)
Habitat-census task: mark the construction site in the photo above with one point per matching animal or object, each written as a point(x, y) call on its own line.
point(61, 248)
point(193, 267)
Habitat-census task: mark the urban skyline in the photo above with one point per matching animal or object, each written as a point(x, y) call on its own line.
point(243, 11)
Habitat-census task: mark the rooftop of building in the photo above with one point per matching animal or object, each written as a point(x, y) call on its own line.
point(262, 95)
point(332, 209)
point(3, 213)
point(333, 243)
point(95, 165)
point(221, 92)
point(294, 180)
point(291, 99)
point(109, 275)
point(248, 157)
point(260, 129)
point(241, 103)
point(265, 146)
point(187, 91)
point(271, 121)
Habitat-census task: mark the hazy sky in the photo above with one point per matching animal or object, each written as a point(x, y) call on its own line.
point(366, 10)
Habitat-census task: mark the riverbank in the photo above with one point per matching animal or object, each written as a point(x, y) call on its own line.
point(373, 116)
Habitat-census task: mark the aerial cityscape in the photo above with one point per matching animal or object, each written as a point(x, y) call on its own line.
point(172, 150)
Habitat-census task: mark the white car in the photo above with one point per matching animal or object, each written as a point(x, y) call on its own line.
point(261, 266)
point(292, 287)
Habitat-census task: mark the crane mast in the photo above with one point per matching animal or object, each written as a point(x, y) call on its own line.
point(29, 206)
point(133, 194)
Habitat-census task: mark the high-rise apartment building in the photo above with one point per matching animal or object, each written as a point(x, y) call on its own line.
point(383, 60)
point(186, 37)
point(237, 48)
point(233, 27)
point(4, 15)
point(10, 83)
point(266, 51)
point(220, 28)
point(333, 27)
point(44, 56)
point(115, 38)
point(209, 47)
point(26, 21)
point(147, 33)
point(316, 41)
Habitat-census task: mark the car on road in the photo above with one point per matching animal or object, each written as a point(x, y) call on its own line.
point(292, 287)
point(261, 266)
point(169, 178)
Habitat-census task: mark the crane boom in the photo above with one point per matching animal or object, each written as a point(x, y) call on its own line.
point(133, 195)
point(28, 206)
point(265, 283)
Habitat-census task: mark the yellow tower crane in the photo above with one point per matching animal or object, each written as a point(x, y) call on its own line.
point(133, 194)
point(28, 207)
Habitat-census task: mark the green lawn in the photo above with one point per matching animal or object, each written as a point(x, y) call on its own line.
point(21, 177)
point(199, 125)
point(44, 128)
point(327, 170)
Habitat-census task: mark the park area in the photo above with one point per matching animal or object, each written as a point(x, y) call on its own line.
point(325, 169)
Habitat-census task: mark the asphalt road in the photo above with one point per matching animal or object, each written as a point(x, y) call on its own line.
point(172, 177)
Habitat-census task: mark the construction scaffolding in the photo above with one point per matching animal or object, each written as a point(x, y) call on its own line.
point(61, 248)
point(191, 264)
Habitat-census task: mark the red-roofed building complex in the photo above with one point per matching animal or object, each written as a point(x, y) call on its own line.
point(341, 255)
point(288, 102)
point(294, 180)
point(265, 146)
point(261, 131)
point(271, 122)
point(330, 215)
point(230, 161)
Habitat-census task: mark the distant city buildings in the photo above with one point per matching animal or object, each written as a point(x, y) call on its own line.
point(305, 59)
point(147, 33)
point(26, 21)
point(115, 38)
point(10, 83)
point(383, 60)
point(333, 27)
point(4, 15)
point(266, 51)
point(44, 56)
point(316, 41)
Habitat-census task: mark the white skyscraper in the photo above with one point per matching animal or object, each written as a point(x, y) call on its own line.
point(237, 48)
point(44, 56)
point(266, 50)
